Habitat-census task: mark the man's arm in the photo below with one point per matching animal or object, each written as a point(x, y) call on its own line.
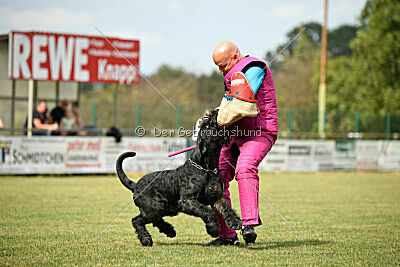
point(254, 75)
point(39, 125)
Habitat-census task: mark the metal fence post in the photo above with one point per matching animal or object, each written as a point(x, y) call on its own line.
point(357, 121)
point(290, 122)
point(116, 106)
point(388, 118)
point(138, 110)
point(94, 113)
point(179, 116)
point(138, 114)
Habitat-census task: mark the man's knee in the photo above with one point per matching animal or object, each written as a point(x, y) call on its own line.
point(246, 171)
point(227, 171)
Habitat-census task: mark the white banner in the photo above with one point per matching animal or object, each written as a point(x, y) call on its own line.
point(367, 154)
point(47, 155)
point(316, 155)
point(41, 155)
point(389, 156)
point(345, 155)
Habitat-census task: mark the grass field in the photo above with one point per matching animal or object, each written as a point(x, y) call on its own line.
point(347, 218)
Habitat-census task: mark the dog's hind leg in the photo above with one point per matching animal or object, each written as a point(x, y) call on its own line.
point(165, 228)
point(231, 218)
point(139, 223)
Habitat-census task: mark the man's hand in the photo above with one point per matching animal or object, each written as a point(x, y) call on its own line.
point(53, 126)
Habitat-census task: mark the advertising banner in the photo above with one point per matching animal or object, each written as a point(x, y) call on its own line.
point(300, 155)
point(389, 156)
point(277, 158)
point(367, 154)
point(345, 155)
point(84, 155)
point(323, 155)
point(21, 155)
point(46, 56)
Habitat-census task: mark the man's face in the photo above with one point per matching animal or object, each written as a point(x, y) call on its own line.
point(41, 108)
point(225, 64)
point(64, 104)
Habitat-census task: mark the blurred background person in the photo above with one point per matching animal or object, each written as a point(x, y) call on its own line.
point(58, 112)
point(39, 120)
point(76, 113)
point(78, 118)
point(68, 122)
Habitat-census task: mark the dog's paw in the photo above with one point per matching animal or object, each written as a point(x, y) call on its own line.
point(212, 229)
point(166, 228)
point(146, 242)
point(145, 239)
point(171, 233)
point(235, 223)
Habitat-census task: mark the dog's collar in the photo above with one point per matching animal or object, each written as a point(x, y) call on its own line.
point(215, 171)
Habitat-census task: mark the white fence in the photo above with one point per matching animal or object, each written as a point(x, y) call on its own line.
point(308, 155)
point(21, 155)
point(83, 155)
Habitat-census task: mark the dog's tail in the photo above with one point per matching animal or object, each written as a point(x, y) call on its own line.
point(121, 174)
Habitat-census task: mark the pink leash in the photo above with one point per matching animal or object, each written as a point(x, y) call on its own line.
point(181, 151)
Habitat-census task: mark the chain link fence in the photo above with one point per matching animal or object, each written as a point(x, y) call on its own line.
point(293, 123)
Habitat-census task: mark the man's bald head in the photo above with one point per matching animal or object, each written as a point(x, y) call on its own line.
point(226, 55)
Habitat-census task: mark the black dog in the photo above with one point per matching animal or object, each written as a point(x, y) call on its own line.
point(189, 189)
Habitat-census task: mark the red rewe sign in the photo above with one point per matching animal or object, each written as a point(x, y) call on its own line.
point(76, 58)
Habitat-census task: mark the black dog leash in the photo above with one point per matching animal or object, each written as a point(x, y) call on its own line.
point(215, 171)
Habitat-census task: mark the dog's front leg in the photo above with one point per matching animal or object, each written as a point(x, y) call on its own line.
point(231, 218)
point(193, 207)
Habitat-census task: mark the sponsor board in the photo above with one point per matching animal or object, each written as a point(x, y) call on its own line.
point(47, 155)
point(389, 156)
point(367, 154)
point(277, 158)
point(323, 155)
point(300, 155)
point(345, 155)
point(41, 155)
point(44, 56)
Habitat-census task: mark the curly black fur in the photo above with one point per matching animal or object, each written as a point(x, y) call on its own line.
point(186, 189)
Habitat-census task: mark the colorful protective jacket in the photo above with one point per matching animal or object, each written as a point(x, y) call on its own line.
point(267, 119)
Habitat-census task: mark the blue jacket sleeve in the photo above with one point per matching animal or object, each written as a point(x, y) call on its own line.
point(255, 76)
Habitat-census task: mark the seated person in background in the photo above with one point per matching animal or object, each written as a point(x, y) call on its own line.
point(78, 118)
point(39, 120)
point(68, 123)
point(75, 111)
point(58, 112)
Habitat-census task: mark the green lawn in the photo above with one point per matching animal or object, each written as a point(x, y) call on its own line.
point(348, 218)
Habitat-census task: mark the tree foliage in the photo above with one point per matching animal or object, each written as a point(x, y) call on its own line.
point(294, 74)
point(363, 74)
point(376, 59)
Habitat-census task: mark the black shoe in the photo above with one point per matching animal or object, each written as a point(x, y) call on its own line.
point(221, 241)
point(249, 235)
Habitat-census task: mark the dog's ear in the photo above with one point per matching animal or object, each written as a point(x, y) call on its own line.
point(205, 122)
point(210, 118)
point(213, 117)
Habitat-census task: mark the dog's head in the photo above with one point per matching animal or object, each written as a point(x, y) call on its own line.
point(211, 136)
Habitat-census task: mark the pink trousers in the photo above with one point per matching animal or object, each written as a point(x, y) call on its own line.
point(252, 151)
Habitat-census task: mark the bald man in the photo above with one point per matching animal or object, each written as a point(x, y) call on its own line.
point(241, 158)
